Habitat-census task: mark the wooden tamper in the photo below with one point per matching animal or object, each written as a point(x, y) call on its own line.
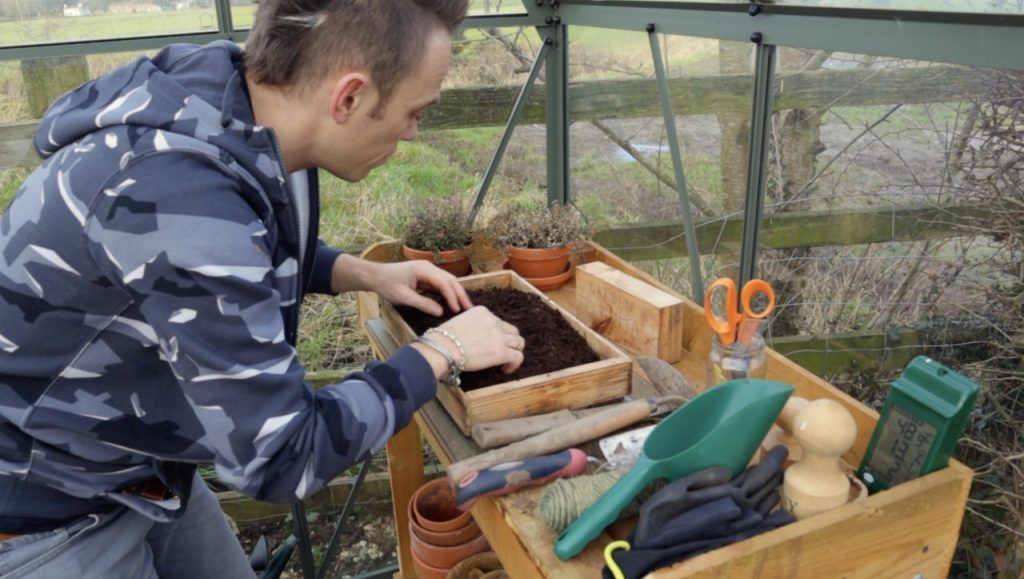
point(782, 431)
point(825, 430)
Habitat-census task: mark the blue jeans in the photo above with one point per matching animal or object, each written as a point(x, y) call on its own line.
point(125, 544)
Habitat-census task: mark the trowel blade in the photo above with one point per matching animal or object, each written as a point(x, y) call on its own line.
point(624, 450)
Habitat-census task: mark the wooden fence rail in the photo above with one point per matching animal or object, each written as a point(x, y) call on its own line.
point(633, 98)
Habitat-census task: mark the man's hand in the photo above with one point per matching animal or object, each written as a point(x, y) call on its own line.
point(398, 282)
point(485, 341)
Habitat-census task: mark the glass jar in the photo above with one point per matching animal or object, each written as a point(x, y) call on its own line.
point(735, 360)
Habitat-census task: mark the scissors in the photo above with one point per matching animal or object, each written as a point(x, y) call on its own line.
point(731, 325)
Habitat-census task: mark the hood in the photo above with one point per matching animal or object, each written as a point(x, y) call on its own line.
point(194, 91)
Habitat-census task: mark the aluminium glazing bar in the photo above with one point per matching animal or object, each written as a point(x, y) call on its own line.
point(991, 40)
point(696, 276)
point(556, 112)
point(225, 31)
point(225, 25)
point(757, 163)
point(513, 120)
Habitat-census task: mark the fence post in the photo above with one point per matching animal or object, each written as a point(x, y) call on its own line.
point(48, 78)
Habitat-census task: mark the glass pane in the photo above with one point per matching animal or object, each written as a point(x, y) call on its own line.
point(986, 6)
point(496, 7)
point(622, 168)
point(43, 22)
point(242, 13)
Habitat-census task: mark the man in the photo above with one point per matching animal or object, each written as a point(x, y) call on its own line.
point(151, 274)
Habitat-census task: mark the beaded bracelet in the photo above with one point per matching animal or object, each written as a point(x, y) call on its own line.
point(458, 344)
point(453, 369)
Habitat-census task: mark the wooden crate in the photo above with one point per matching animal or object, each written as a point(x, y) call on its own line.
point(636, 315)
point(576, 387)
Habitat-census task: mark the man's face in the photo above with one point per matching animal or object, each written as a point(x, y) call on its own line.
point(367, 142)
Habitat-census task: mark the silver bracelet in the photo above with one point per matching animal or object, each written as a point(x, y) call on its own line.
point(458, 344)
point(453, 370)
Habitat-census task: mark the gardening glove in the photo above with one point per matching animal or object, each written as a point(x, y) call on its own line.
point(680, 496)
point(637, 562)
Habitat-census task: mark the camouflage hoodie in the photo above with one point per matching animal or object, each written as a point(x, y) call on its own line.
point(150, 280)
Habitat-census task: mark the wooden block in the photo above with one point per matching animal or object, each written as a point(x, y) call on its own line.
point(634, 314)
point(609, 378)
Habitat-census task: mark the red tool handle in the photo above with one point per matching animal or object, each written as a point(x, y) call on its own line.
point(511, 476)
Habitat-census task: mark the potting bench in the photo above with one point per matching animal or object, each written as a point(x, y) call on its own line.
point(909, 530)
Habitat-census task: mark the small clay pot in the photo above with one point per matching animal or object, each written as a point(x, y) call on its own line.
point(448, 538)
point(546, 284)
point(443, 538)
point(536, 263)
point(425, 570)
point(446, 556)
point(454, 261)
point(434, 508)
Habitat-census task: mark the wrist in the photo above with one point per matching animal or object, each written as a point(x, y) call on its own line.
point(438, 363)
point(351, 273)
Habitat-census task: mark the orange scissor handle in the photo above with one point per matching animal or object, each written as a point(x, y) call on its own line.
point(726, 324)
point(751, 289)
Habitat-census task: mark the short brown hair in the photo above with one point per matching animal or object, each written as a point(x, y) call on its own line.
point(294, 43)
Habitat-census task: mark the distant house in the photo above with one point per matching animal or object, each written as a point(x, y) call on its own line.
point(76, 10)
point(132, 8)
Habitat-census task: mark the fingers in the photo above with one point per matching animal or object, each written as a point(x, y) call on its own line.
point(445, 283)
point(488, 340)
point(517, 361)
point(425, 304)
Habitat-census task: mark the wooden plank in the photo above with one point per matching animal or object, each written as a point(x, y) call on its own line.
point(243, 509)
point(16, 148)
point(633, 98)
point(908, 531)
point(793, 230)
point(636, 315)
point(839, 353)
point(405, 471)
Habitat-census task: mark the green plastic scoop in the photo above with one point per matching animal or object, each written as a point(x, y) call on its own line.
point(722, 426)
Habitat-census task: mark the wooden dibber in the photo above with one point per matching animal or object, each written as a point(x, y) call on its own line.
point(641, 318)
point(560, 438)
point(825, 430)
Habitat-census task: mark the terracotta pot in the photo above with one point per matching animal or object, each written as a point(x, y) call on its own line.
point(446, 556)
point(425, 570)
point(544, 262)
point(446, 538)
point(434, 508)
point(546, 284)
point(460, 535)
point(455, 261)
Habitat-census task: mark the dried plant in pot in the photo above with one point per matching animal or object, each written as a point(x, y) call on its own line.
point(439, 231)
point(538, 240)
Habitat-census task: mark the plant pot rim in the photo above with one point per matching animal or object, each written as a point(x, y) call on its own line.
point(459, 521)
point(550, 282)
point(537, 253)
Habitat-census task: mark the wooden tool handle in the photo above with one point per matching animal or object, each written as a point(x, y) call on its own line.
point(501, 432)
point(560, 438)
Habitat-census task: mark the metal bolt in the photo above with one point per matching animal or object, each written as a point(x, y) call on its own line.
point(650, 27)
point(757, 37)
point(549, 20)
point(754, 9)
point(549, 41)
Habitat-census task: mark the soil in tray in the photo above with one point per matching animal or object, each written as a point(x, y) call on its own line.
point(551, 343)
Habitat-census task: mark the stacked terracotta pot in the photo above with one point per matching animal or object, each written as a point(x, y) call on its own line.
point(441, 535)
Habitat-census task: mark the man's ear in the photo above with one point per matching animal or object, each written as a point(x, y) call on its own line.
point(350, 92)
